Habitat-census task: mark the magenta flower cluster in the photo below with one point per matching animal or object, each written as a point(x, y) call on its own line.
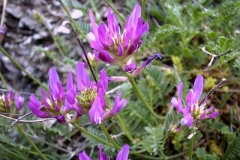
point(87, 97)
point(122, 155)
point(112, 45)
point(193, 111)
point(7, 101)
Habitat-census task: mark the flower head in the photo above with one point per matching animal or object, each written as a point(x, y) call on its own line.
point(54, 105)
point(122, 155)
point(119, 104)
point(83, 156)
point(89, 98)
point(131, 68)
point(19, 102)
point(6, 101)
point(193, 111)
point(112, 45)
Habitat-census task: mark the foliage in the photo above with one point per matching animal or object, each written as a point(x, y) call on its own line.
point(188, 34)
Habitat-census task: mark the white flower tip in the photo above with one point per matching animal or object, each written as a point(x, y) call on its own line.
point(191, 135)
point(97, 119)
point(91, 36)
point(65, 23)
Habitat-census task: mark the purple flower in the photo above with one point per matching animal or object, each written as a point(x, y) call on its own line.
point(118, 106)
point(83, 156)
point(122, 155)
point(96, 112)
point(6, 101)
point(19, 102)
point(101, 155)
point(193, 111)
point(90, 96)
point(144, 65)
point(54, 105)
point(131, 68)
point(111, 45)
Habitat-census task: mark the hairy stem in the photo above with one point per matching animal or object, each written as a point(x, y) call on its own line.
point(3, 80)
point(3, 12)
point(122, 19)
point(124, 128)
point(71, 19)
point(42, 20)
point(109, 137)
point(21, 68)
point(143, 8)
point(93, 136)
point(30, 141)
point(191, 145)
point(140, 96)
point(84, 52)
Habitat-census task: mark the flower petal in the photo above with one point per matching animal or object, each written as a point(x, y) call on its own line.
point(83, 79)
point(118, 104)
point(101, 155)
point(34, 106)
point(61, 119)
point(144, 65)
point(104, 80)
point(187, 120)
point(83, 156)
point(197, 89)
point(123, 154)
point(130, 67)
point(96, 112)
point(180, 88)
point(19, 102)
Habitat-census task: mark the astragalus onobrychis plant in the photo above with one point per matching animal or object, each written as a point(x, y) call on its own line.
point(160, 81)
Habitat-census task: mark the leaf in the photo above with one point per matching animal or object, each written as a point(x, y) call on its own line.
point(85, 27)
point(165, 31)
point(77, 5)
point(232, 150)
point(203, 155)
point(177, 62)
point(153, 142)
point(224, 44)
point(170, 120)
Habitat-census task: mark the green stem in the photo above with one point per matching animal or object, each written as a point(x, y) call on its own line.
point(122, 19)
point(124, 128)
point(54, 38)
point(138, 92)
point(30, 141)
point(93, 136)
point(71, 19)
point(109, 137)
point(15, 155)
point(3, 80)
point(143, 9)
point(21, 68)
point(93, 6)
point(160, 158)
point(50, 144)
point(191, 145)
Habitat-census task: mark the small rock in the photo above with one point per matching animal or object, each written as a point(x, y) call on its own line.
point(40, 35)
point(62, 29)
point(27, 41)
point(14, 10)
point(29, 22)
point(76, 14)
